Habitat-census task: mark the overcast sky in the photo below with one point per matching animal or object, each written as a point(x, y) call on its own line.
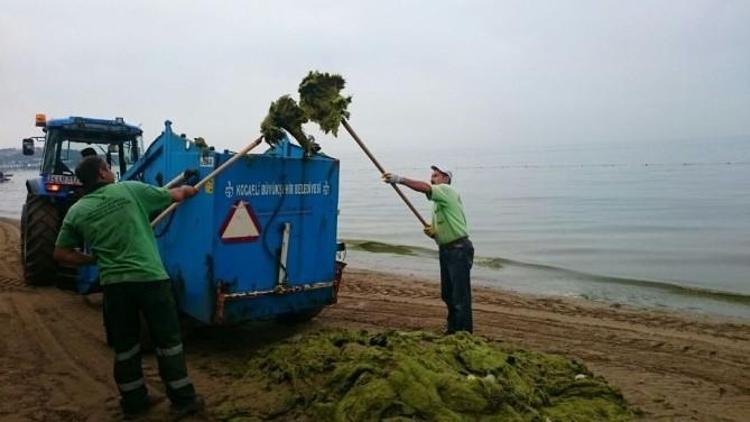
point(421, 72)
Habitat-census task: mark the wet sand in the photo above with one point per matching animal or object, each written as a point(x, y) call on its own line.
point(55, 365)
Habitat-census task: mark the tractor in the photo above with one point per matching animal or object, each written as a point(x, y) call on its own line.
point(257, 243)
point(66, 142)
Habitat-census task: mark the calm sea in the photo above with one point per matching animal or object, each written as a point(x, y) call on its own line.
point(661, 225)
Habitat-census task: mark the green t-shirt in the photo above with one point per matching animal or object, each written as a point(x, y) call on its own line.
point(448, 217)
point(114, 222)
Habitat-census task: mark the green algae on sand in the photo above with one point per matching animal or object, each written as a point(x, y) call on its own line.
point(344, 375)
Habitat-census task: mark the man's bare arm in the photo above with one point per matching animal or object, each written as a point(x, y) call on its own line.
point(72, 257)
point(182, 193)
point(416, 185)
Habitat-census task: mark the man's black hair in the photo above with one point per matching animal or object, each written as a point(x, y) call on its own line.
point(88, 151)
point(88, 170)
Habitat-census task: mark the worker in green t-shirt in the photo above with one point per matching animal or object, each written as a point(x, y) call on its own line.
point(450, 232)
point(112, 220)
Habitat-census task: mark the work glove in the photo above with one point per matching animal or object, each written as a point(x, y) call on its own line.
point(430, 231)
point(392, 178)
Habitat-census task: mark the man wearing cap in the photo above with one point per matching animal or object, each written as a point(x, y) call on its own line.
point(449, 230)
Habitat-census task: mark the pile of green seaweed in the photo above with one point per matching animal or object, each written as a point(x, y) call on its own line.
point(346, 375)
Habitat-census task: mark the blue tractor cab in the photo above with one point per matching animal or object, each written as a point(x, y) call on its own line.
point(66, 142)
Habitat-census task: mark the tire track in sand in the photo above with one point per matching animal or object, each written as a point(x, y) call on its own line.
point(54, 363)
point(10, 252)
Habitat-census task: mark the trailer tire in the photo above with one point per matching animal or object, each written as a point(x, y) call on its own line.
point(40, 223)
point(294, 318)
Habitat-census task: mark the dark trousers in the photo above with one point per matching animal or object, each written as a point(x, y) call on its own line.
point(456, 260)
point(123, 304)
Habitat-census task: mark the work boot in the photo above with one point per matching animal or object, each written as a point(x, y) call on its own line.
point(197, 406)
point(134, 412)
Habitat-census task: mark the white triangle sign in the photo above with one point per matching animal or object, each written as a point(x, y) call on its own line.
point(241, 224)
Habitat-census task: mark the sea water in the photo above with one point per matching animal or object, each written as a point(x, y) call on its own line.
point(655, 224)
point(652, 224)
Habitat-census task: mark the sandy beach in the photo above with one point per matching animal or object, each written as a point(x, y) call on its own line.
point(55, 365)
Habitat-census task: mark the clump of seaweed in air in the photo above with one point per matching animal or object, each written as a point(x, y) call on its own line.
point(321, 99)
point(285, 114)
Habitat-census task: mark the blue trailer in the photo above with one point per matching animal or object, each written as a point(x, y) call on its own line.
point(258, 242)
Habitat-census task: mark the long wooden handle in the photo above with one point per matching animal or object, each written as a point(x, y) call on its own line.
point(178, 179)
point(382, 171)
point(241, 153)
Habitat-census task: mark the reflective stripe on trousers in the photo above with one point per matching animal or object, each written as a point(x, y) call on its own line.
point(182, 382)
point(130, 386)
point(169, 351)
point(121, 357)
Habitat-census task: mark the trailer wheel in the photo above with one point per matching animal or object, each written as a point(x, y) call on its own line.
point(294, 318)
point(39, 226)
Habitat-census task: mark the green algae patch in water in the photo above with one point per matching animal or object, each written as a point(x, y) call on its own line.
point(380, 247)
point(374, 246)
point(396, 375)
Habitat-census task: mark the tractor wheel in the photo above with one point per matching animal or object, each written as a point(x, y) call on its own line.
point(39, 232)
point(23, 232)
